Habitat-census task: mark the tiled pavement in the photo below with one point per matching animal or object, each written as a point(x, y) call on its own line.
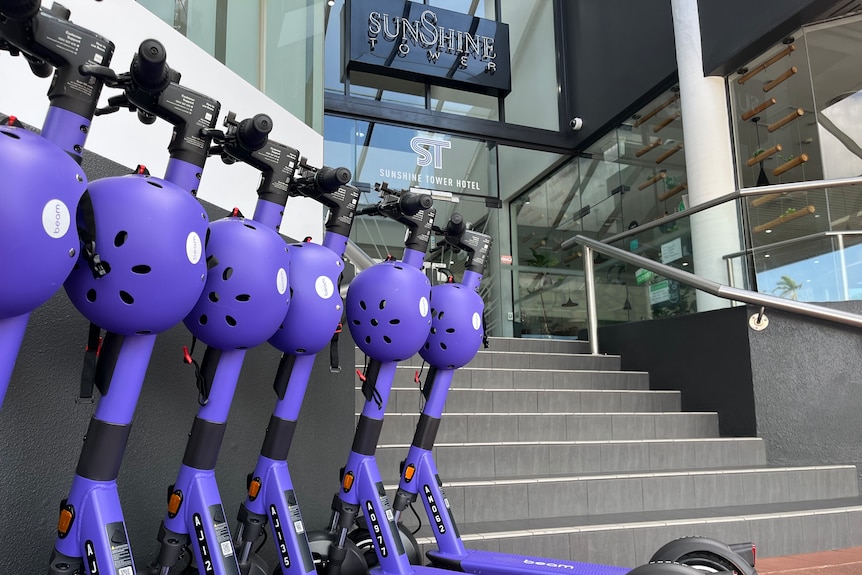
point(839, 562)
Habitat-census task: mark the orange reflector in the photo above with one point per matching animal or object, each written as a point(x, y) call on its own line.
point(65, 522)
point(347, 482)
point(174, 502)
point(254, 488)
point(408, 473)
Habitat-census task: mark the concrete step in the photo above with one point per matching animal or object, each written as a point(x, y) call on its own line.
point(631, 539)
point(543, 458)
point(519, 360)
point(474, 400)
point(481, 501)
point(538, 344)
point(504, 378)
point(485, 427)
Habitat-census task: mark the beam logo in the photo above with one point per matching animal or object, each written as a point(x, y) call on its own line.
point(432, 154)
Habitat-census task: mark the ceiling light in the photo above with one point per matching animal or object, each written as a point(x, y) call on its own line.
point(331, 2)
point(768, 231)
point(766, 255)
point(684, 264)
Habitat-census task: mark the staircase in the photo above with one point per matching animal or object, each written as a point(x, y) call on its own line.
point(546, 450)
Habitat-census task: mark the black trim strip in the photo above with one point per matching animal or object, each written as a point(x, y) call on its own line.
point(426, 432)
point(204, 444)
point(367, 435)
point(279, 435)
point(102, 454)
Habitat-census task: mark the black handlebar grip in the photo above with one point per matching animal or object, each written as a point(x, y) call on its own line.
point(456, 225)
point(149, 68)
point(411, 203)
point(19, 9)
point(329, 179)
point(252, 133)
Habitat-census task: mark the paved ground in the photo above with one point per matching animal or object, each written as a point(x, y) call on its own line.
point(841, 562)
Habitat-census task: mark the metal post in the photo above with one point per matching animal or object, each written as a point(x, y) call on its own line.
point(844, 286)
point(731, 280)
point(590, 288)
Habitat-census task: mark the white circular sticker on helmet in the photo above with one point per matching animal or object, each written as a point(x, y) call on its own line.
point(477, 321)
point(56, 219)
point(423, 306)
point(194, 249)
point(324, 287)
point(281, 281)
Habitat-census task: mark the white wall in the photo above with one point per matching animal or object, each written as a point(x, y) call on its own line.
point(121, 138)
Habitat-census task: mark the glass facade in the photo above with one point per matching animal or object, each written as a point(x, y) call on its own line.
point(796, 110)
point(260, 40)
point(633, 175)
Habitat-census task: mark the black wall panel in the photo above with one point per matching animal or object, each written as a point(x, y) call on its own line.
point(620, 55)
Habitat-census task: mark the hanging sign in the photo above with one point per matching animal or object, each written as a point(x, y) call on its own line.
point(417, 42)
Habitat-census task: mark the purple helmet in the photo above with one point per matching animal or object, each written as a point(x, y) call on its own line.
point(246, 293)
point(456, 326)
point(38, 242)
point(149, 232)
point(316, 306)
point(387, 310)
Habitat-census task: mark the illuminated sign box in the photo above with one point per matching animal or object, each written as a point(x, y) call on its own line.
point(422, 43)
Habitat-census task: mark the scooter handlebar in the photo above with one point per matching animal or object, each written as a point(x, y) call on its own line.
point(456, 225)
point(149, 70)
point(329, 179)
point(253, 133)
point(412, 203)
point(19, 9)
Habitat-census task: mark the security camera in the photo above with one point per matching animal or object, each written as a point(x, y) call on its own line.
point(576, 123)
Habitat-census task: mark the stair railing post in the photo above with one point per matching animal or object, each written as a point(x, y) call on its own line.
point(590, 286)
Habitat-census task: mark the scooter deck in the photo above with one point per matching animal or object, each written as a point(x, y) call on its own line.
point(490, 563)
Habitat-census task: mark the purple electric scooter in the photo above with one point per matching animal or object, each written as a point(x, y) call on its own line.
point(389, 316)
point(142, 271)
point(42, 179)
point(456, 336)
point(308, 327)
point(243, 304)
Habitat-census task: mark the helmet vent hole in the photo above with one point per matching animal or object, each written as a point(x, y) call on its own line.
point(203, 319)
point(450, 330)
point(433, 312)
point(127, 297)
point(356, 322)
point(144, 332)
point(91, 295)
point(427, 345)
point(387, 339)
point(11, 135)
point(142, 269)
point(374, 322)
point(398, 267)
point(243, 297)
point(249, 226)
point(362, 304)
point(442, 346)
point(227, 273)
point(382, 304)
point(433, 330)
point(213, 297)
point(440, 315)
point(300, 350)
point(207, 239)
point(120, 238)
point(231, 321)
point(152, 183)
point(367, 339)
point(395, 321)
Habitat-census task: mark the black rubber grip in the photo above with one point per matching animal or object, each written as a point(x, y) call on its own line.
point(252, 133)
point(411, 203)
point(149, 68)
point(204, 444)
point(456, 225)
point(103, 450)
point(279, 436)
point(329, 179)
point(426, 432)
point(19, 9)
point(367, 435)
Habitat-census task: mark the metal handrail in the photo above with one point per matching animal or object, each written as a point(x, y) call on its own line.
point(708, 286)
point(735, 195)
point(791, 241)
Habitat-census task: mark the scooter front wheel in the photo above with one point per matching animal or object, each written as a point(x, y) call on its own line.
point(362, 538)
point(320, 541)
